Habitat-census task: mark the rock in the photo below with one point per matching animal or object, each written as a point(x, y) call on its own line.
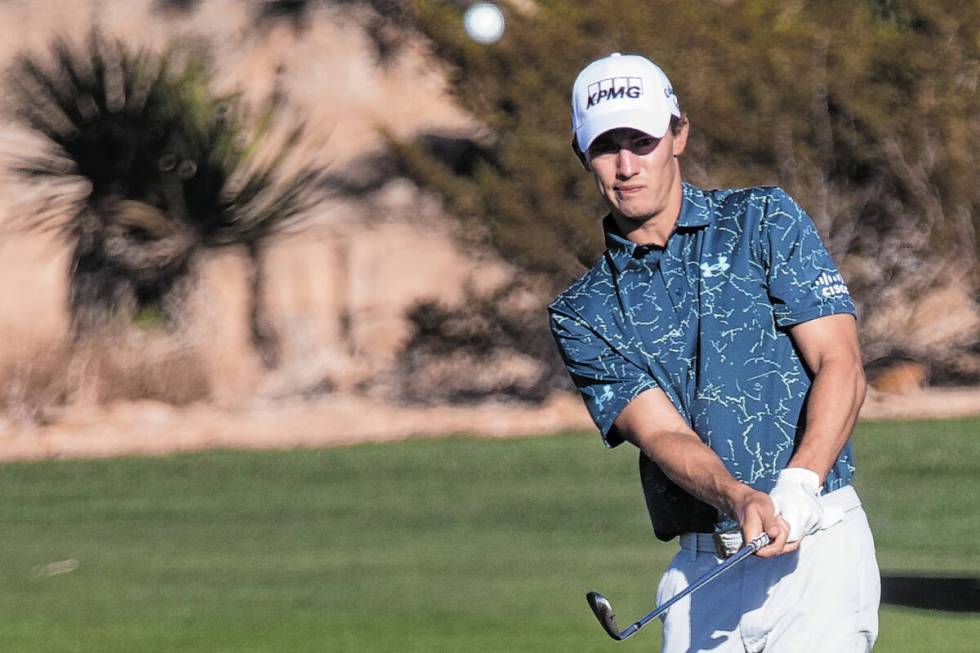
point(904, 377)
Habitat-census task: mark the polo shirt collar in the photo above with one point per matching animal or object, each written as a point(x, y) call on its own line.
point(696, 212)
point(621, 251)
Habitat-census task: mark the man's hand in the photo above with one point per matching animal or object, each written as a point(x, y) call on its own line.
point(796, 497)
point(756, 513)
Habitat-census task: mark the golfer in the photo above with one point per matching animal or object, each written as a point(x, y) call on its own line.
point(716, 334)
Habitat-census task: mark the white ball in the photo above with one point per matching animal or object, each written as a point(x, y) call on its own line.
point(484, 22)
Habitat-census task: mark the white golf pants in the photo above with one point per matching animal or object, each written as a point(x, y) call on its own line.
point(823, 598)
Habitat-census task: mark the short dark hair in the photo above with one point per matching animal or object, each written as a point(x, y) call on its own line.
point(677, 123)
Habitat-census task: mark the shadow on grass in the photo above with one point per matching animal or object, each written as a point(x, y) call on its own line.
point(949, 593)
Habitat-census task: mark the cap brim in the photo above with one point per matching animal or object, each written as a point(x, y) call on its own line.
point(642, 120)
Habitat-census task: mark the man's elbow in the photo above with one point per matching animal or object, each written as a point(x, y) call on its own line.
point(844, 369)
point(860, 382)
point(659, 443)
point(850, 371)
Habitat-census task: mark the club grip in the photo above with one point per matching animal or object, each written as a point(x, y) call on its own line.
point(759, 541)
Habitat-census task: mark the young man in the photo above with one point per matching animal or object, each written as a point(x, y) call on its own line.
point(717, 336)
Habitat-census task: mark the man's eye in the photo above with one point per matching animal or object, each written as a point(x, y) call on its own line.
point(601, 148)
point(646, 141)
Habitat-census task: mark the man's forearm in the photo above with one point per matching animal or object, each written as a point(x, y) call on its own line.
point(835, 399)
point(690, 463)
point(652, 423)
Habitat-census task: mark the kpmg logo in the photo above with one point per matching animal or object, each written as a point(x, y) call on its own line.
point(614, 87)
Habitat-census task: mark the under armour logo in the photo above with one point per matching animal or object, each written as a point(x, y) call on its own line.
point(709, 270)
point(607, 394)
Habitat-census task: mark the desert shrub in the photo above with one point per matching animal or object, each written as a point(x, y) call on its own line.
point(144, 167)
point(490, 344)
point(113, 365)
point(864, 111)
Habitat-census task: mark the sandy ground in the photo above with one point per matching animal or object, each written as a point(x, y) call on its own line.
point(153, 428)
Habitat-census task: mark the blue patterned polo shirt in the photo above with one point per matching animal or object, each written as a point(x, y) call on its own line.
point(706, 320)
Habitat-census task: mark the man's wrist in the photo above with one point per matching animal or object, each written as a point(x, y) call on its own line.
point(735, 495)
point(802, 476)
point(813, 460)
point(796, 497)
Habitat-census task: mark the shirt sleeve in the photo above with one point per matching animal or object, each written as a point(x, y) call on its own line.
point(606, 380)
point(804, 283)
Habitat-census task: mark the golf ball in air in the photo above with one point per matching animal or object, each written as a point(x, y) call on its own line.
point(484, 22)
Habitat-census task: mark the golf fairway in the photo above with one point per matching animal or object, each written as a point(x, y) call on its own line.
point(427, 545)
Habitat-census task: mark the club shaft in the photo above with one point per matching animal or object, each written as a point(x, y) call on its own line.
point(747, 550)
point(743, 553)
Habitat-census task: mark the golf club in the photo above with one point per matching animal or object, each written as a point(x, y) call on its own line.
point(607, 618)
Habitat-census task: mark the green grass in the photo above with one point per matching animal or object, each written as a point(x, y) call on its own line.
point(920, 482)
point(453, 545)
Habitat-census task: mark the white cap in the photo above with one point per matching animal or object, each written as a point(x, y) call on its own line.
point(621, 91)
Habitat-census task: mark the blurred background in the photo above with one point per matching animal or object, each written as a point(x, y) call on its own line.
point(324, 210)
point(287, 224)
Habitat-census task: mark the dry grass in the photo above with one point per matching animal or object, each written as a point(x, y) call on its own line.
point(122, 365)
point(938, 327)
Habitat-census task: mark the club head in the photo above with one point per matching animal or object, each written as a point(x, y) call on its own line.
point(604, 613)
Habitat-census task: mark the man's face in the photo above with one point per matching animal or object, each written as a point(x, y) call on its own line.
point(636, 173)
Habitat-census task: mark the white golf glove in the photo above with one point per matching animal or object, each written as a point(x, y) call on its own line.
point(797, 499)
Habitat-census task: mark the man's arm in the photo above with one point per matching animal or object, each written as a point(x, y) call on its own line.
point(829, 346)
point(652, 423)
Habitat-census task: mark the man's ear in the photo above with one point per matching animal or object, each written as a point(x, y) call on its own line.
point(580, 155)
point(680, 137)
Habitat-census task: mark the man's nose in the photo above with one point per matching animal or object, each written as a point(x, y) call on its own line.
point(625, 162)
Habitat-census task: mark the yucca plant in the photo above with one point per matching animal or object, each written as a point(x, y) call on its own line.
point(145, 167)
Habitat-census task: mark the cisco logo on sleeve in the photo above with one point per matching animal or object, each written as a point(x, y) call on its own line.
point(830, 285)
point(614, 87)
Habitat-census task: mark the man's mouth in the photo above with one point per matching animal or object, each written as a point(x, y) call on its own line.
point(626, 190)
